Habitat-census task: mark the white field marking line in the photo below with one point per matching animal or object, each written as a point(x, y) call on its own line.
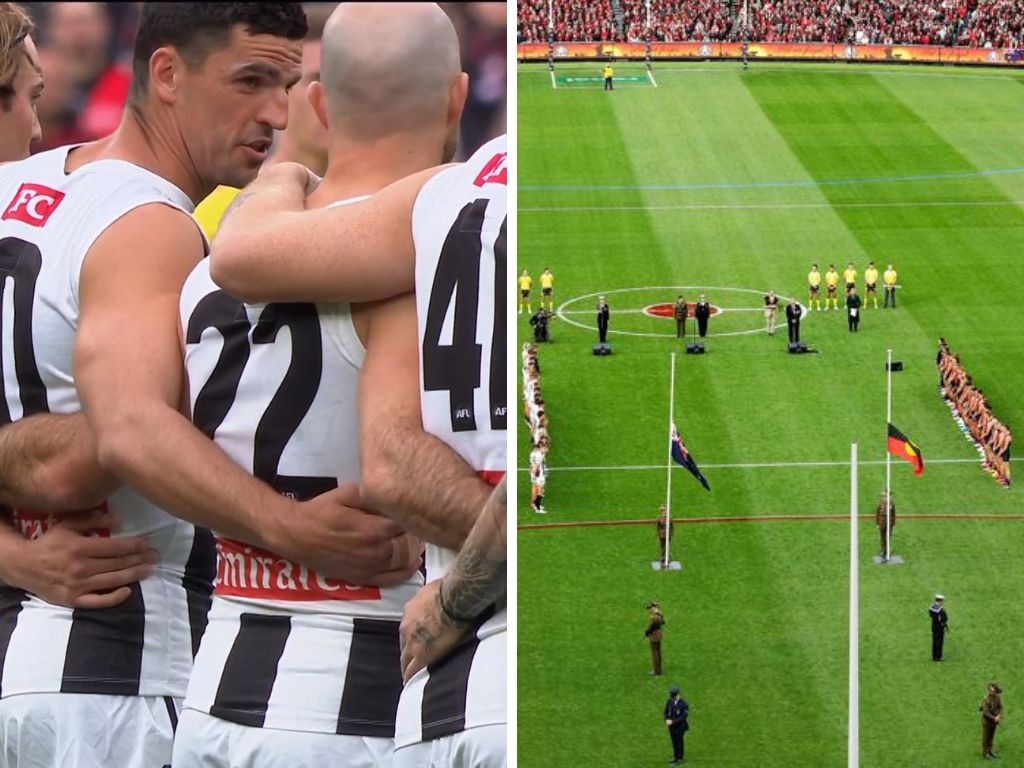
point(751, 465)
point(772, 206)
point(650, 76)
point(853, 681)
point(563, 314)
point(554, 83)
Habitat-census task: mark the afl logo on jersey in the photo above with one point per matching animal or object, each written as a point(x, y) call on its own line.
point(494, 172)
point(33, 204)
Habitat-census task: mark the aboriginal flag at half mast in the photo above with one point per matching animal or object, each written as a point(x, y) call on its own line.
point(900, 445)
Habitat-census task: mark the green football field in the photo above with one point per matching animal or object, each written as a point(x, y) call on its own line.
point(732, 183)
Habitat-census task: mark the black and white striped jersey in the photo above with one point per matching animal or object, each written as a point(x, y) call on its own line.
point(275, 386)
point(48, 222)
point(459, 228)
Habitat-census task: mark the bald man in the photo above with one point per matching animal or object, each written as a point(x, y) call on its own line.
point(21, 84)
point(296, 669)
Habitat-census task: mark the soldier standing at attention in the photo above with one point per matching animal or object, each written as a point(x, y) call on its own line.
point(679, 311)
point(991, 717)
point(940, 623)
point(653, 635)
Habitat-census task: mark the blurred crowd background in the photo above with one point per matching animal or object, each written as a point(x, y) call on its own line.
point(85, 51)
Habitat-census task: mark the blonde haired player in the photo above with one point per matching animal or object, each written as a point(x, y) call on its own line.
point(871, 284)
point(547, 289)
point(525, 283)
point(814, 287)
point(831, 281)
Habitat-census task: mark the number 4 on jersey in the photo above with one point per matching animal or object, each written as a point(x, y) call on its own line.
point(456, 367)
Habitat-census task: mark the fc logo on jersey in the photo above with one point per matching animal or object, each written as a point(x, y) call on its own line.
point(33, 204)
point(495, 172)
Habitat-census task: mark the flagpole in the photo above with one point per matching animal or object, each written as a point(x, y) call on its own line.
point(668, 466)
point(888, 473)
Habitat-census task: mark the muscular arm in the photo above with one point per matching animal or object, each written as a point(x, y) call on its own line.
point(131, 386)
point(48, 461)
point(442, 612)
point(410, 475)
point(269, 248)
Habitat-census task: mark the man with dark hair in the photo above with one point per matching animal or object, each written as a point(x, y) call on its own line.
point(339, 711)
point(104, 244)
point(793, 313)
point(21, 83)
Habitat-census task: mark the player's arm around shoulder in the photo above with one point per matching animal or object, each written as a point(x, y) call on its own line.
point(407, 473)
point(269, 248)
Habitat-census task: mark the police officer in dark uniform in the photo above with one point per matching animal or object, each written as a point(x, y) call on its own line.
point(940, 623)
point(680, 311)
point(793, 321)
point(702, 311)
point(677, 713)
point(602, 319)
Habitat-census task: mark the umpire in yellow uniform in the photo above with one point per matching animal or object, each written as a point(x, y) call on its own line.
point(608, 74)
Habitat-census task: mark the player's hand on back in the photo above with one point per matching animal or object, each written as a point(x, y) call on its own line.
point(74, 568)
point(286, 175)
point(332, 535)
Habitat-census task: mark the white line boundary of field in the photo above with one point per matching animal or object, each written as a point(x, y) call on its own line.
point(853, 701)
point(751, 465)
point(774, 206)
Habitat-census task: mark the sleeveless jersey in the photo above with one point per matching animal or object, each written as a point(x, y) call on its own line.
point(145, 645)
point(275, 386)
point(459, 229)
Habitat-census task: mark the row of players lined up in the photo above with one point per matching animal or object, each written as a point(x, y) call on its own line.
point(971, 406)
point(814, 278)
point(280, 397)
point(536, 418)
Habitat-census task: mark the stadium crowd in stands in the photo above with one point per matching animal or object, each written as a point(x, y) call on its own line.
point(975, 23)
point(85, 52)
point(972, 414)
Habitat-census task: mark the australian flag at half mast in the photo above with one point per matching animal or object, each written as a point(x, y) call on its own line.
point(682, 457)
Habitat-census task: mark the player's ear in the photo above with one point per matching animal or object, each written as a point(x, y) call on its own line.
point(315, 94)
point(457, 93)
point(166, 68)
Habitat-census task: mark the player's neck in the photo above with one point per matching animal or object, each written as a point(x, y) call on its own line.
point(355, 168)
point(287, 151)
point(149, 144)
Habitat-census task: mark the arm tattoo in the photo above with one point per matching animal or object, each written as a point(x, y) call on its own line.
point(478, 578)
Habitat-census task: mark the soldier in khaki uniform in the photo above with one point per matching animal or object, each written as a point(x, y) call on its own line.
point(653, 635)
point(991, 716)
